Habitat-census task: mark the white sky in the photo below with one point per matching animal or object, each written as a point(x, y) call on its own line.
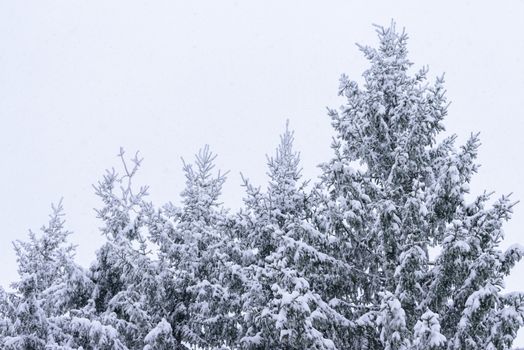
point(79, 79)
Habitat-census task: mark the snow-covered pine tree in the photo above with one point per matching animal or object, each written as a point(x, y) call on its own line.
point(127, 299)
point(196, 268)
point(393, 193)
point(281, 307)
point(51, 286)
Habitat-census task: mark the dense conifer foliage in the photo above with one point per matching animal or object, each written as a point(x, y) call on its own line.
point(386, 250)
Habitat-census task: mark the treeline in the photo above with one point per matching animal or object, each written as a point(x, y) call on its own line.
point(340, 263)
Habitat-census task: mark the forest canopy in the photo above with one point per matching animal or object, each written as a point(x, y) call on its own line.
point(341, 262)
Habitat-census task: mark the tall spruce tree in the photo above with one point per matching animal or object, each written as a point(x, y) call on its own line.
point(126, 299)
point(51, 287)
point(394, 192)
point(194, 255)
point(281, 307)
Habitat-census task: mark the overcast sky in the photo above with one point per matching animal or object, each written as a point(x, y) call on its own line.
point(79, 79)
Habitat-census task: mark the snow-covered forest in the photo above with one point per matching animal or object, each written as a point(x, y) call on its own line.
point(387, 249)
